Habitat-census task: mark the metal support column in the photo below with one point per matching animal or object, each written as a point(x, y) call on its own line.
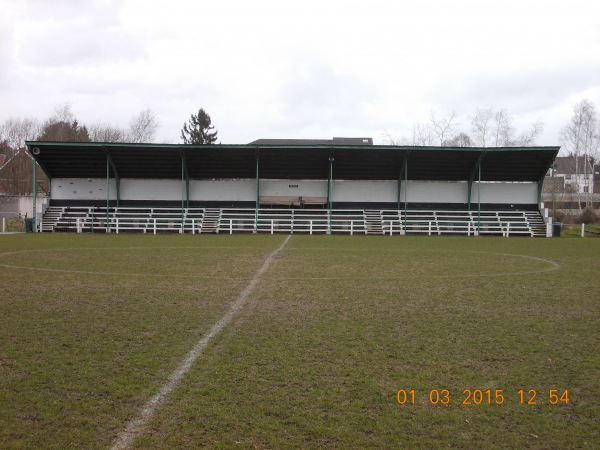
point(553, 190)
point(257, 190)
point(115, 174)
point(400, 186)
point(34, 197)
point(405, 194)
point(107, 190)
point(185, 176)
point(472, 177)
point(479, 201)
point(182, 192)
point(330, 191)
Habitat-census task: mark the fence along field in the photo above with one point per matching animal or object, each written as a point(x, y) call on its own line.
point(93, 326)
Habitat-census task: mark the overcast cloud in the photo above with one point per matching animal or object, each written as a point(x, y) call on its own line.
point(299, 69)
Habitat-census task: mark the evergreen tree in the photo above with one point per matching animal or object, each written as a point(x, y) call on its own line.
point(199, 129)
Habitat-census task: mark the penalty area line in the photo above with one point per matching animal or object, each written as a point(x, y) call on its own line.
point(136, 425)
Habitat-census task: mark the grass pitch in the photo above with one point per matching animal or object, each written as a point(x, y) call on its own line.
point(91, 326)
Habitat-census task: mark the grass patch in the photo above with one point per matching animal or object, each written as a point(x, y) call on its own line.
point(570, 231)
point(335, 327)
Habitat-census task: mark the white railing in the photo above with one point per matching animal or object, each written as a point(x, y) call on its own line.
point(351, 222)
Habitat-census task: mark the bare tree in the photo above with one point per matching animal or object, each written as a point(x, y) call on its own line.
point(443, 128)
point(462, 139)
point(495, 128)
point(142, 127)
point(103, 132)
point(527, 138)
point(62, 113)
point(15, 131)
point(488, 127)
point(581, 138)
point(481, 126)
point(422, 135)
point(502, 130)
point(388, 139)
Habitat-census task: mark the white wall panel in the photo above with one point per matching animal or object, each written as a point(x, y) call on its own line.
point(82, 189)
point(147, 189)
point(365, 191)
point(294, 188)
point(436, 192)
point(510, 193)
point(245, 190)
point(223, 190)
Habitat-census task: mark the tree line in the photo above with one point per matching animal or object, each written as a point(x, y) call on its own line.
point(488, 127)
point(63, 126)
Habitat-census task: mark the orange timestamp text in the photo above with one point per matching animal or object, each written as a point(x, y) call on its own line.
point(483, 397)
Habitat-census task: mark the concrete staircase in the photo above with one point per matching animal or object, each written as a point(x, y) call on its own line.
point(373, 221)
point(536, 223)
point(210, 221)
point(52, 216)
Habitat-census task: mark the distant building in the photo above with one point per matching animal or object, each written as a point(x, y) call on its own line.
point(16, 176)
point(571, 176)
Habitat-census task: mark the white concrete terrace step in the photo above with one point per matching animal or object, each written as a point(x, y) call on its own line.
point(210, 220)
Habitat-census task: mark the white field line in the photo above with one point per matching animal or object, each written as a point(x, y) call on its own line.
point(87, 272)
point(136, 426)
point(552, 267)
point(124, 274)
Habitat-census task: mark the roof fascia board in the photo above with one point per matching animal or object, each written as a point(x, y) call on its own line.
point(176, 147)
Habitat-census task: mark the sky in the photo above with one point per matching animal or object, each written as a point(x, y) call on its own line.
point(300, 69)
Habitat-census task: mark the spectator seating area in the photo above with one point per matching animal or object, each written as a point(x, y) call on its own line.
point(85, 219)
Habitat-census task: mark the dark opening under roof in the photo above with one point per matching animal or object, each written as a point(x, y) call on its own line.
point(349, 162)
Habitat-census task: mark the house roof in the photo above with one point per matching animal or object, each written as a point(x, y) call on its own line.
point(568, 164)
point(279, 161)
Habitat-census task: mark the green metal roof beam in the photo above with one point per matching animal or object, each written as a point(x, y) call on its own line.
point(186, 175)
point(115, 173)
point(472, 176)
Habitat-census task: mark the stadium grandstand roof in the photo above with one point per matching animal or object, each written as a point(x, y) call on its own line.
point(290, 161)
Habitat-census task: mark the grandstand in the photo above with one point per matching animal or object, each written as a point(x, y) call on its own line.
point(343, 187)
